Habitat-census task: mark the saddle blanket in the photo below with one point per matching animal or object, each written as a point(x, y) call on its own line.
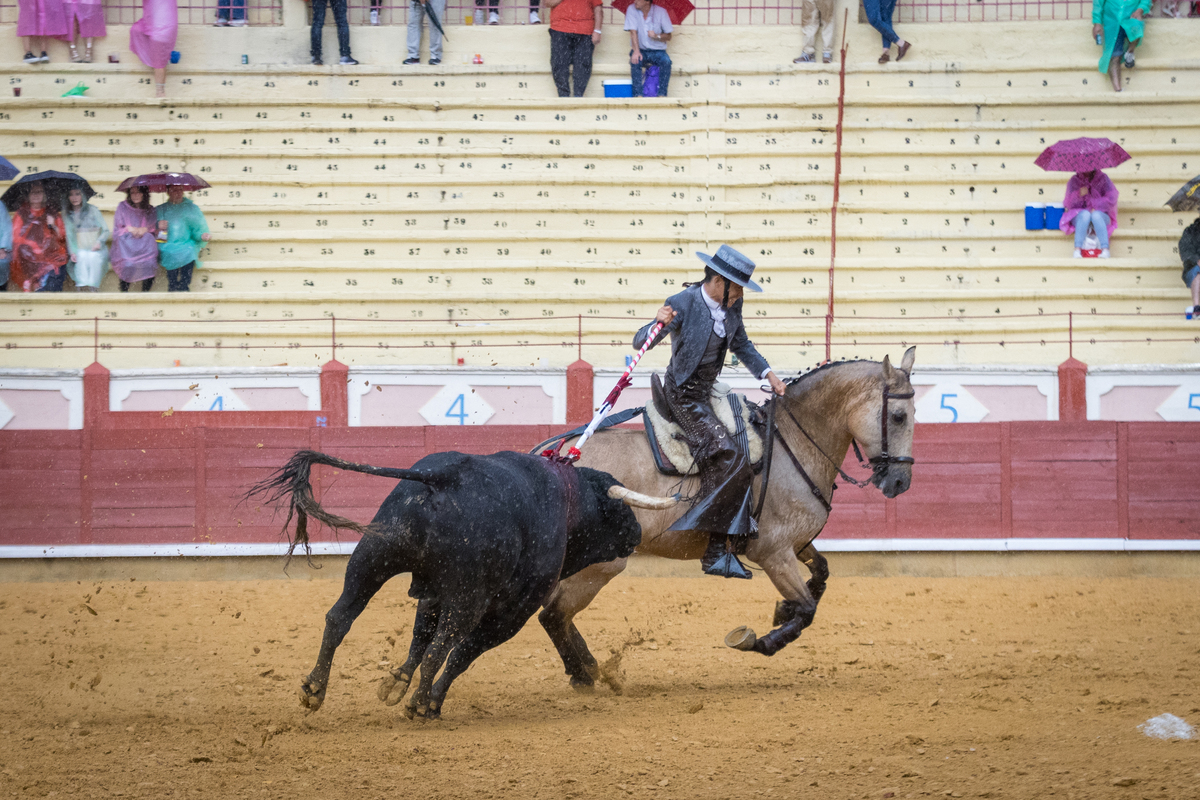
point(674, 448)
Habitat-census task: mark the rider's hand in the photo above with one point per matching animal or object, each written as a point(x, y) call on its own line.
point(776, 384)
point(665, 315)
point(1097, 30)
point(1137, 13)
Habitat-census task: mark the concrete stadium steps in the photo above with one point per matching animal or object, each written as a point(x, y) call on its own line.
point(452, 205)
point(296, 329)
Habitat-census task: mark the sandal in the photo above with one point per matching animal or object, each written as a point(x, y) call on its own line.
point(885, 58)
point(87, 55)
point(75, 53)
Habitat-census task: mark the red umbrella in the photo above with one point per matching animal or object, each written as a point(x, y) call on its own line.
point(159, 181)
point(1082, 155)
point(677, 10)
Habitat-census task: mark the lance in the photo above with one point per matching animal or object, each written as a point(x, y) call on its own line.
point(611, 400)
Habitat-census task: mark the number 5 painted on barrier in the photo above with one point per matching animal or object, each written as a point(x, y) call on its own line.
point(951, 409)
point(1192, 398)
point(461, 403)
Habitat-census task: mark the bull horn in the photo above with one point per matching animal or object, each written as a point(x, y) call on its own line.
point(639, 500)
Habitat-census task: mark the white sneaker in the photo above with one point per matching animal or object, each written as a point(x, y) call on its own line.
point(374, 16)
point(238, 23)
point(534, 19)
point(1104, 253)
point(493, 18)
point(1078, 253)
point(1191, 312)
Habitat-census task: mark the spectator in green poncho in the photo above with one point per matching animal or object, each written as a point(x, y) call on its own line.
point(1120, 24)
point(187, 231)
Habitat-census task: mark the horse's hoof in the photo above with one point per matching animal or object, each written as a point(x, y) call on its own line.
point(584, 685)
point(312, 696)
point(741, 638)
point(392, 689)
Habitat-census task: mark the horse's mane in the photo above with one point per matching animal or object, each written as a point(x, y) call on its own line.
point(803, 376)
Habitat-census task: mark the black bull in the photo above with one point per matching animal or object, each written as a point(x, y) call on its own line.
point(486, 538)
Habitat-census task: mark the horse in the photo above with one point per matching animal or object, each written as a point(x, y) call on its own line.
point(821, 414)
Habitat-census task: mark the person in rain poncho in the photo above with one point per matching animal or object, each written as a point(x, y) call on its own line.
point(152, 38)
point(5, 248)
point(87, 242)
point(134, 250)
point(187, 231)
point(1091, 200)
point(1189, 253)
point(1119, 23)
point(39, 244)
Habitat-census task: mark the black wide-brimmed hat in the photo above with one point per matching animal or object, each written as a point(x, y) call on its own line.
point(731, 264)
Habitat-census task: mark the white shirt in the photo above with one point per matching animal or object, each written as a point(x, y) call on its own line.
point(718, 317)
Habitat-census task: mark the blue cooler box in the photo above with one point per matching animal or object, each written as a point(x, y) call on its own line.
point(618, 88)
point(1035, 216)
point(1054, 212)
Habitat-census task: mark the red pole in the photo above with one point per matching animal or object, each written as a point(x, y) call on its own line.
point(333, 335)
point(837, 185)
point(1070, 334)
point(579, 340)
point(95, 340)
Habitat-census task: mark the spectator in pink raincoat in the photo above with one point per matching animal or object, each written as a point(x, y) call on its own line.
point(152, 38)
point(1091, 201)
point(38, 20)
point(89, 16)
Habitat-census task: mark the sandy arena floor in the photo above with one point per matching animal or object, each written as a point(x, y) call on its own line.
point(909, 687)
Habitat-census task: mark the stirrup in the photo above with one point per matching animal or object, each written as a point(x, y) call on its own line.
point(728, 566)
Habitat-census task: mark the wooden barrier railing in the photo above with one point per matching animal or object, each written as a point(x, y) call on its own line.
point(1008, 480)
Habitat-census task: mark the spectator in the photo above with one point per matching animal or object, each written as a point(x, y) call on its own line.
point(649, 29)
point(6, 246)
point(134, 251)
point(152, 38)
point(1189, 253)
point(38, 20)
point(574, 34)
point(39, 244)
point(375, 5)
point(187, 230)
point(343, 30)
point(416, 14)
point(1118, 26)
point(88, 16)
point(1091, 201)
point(231, 13)
point(87, 242)
point(879, 14)
point(817, 14)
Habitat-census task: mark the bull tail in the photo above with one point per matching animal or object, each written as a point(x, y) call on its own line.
point(291, 485)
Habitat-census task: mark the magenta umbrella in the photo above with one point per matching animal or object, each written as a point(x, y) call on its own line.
point(1082, 155)
point(159, 181)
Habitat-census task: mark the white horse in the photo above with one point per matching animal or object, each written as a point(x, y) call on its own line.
point(864, 401)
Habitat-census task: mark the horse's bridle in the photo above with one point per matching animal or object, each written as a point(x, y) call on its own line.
point(877, 464)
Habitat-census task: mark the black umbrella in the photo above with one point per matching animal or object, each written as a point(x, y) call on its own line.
point(434, 21)
point(1188, 196)
point(57, 184)
point(7, 170)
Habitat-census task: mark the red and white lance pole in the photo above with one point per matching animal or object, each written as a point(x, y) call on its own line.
point(611, 400)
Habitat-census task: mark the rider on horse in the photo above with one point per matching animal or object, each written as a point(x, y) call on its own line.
point(705, 321)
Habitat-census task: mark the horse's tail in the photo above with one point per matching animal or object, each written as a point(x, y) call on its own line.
point(291, 485)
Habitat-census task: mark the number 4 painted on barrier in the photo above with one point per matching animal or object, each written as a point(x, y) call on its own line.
point(460, 403)
point(218, 404)
point(951, 409)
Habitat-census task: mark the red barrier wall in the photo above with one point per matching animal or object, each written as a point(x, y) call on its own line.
point(979, 481)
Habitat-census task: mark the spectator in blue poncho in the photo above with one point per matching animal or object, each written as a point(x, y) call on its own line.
point(187, 231)
point(1119, 25)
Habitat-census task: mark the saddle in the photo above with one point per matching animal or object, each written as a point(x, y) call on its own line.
point(672, 454)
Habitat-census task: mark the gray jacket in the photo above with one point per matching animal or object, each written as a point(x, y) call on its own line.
point(690, 331)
